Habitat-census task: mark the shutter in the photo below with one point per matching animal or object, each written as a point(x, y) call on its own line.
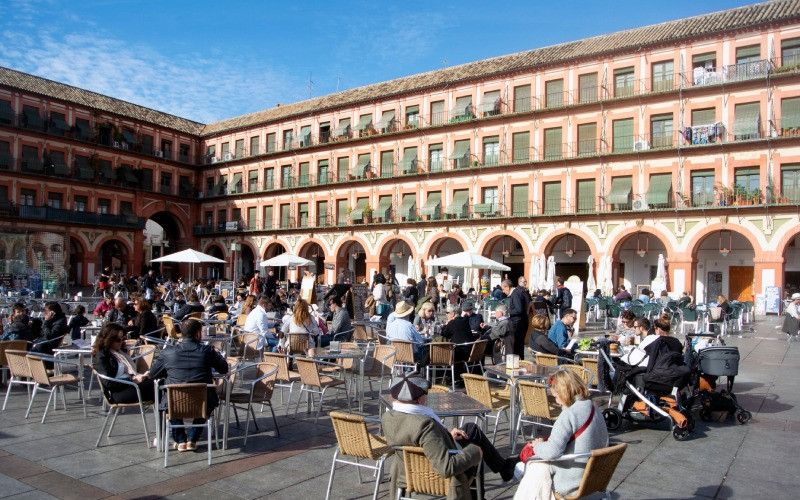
point(587, 138)
point(358, 212)
point(409, 163)
point(552, 143)
point(748, 52)
point(519, 200)
point(387, 163)
point(433, 204)
point(587, 87)
point(554, 91)
point(522, 98)
point(361, 166)
point(437, 113)
point(521, 145)
point(658, 192)
point(408, 205)
point(623, 135)
point(364, 122)
point(621, 188)
point(701, 59)
point(790, 113)
point(703, 116)
point(586, 195)
point(459, 205)
point(746, 119)
point(791, 43)
point(343, 169)
point(384, 209)
point(552, 197)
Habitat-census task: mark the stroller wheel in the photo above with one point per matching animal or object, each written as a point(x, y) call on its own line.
point(613, 418)
point(743, 416)
point(705, 415)
point(680, 434)
point(690, 421)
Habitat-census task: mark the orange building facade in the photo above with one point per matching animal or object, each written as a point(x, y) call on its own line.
point(680, 139)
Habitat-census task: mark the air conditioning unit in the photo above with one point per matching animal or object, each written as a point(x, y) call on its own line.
point(232, 225)
point(159, 153)
point(124, 146)
point(227, 157)
point(214, 159)
point(639, 204)
point(641, 146)
point(116, 144)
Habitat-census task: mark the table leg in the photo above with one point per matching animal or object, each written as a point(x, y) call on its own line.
point(512, 421)
point(360, 391)
point(226, 424)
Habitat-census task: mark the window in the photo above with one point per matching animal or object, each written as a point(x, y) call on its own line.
point(269, 178)
point(6, 160)
point(83, 132)
point(437, 113)
point(363, 165)
point(432, 209)
point(287, 139)
point(491, 200)
point(251, 217)
point(103, 206)
point(126, 208)
point(286, 176)
point(702, 188)
point(790, 52)
point(623, 82)
point(286, 216)
point(554, 93)
point(412, 117)
point(461, 154)
point(587, 139)
point(552, 144)
point(226, 151)
point(210, 186)
point(166, 182)
point(324, 132)
point(54, 200)
point(463, 109)
point(659, 192)
point(459, 204)
point(254, 145)
point(211, 151)
point(790, 116)
point(707, 61)
point(621, 192)
point(79, 203)
point(383, 211)
point(342, 169)
point(342, 130)
point(704, 69)
point(147, 143)
point(4, 195)
point(59, 163)
point(522, 98)
point(341, 212)
point(519, 200)
point(236, 184)
point(237, 216)
point(322, 172)
point(147, 179)
point(748, 54)
point(387, 123)
point(364, 126)
point(551, 202)
point(409, 162)
point(663, 75)
point(305, 176)
point(209, 218)
point(748, 64)
point(587, 87)
point(747, 121)
point(322, 214)
point(790, 183)
point(302, 211)
point(703, 116)
point(521, 147)
point(357, 214)
point(252, 181)
point(661, 131)
point(184, 153)
point(31, 118)
point(387, 163)
point(166, 149)
point(239, 152)
point(304, 139)
point(435, 158)
point(6, 112)
point(623, 135)
point(268, 220)
point(31, 162)
point(747, 183)
point(58, 124)
point(271, 142)
point(491, 104)
point(408, 207)
point(586, 196)
point(491, 150)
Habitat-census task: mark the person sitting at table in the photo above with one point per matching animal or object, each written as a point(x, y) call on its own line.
point(19, 327)
point(402, 329)
point(476, 322)
point(190, 361)
point(561, 331)
point(502, 331)
point(726, 307)
point(122, 313)
point(622, 294)
point(258, 321)
point(457, 330)
point(236, 308)
point(539, 341)
point(300, 321)
point(145, 321)
point(410, 292)
point(77, 321)
point(110, 359)
point(218, 305)
point(340, 325)
point(54, 328)
point(178, 301)
point(103, 307)
point(580, 428)
point(625, 325)
point(663, 299)
point(411, 423)
point(191, 307)
point(425, 321)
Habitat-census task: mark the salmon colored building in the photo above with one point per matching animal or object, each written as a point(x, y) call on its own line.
point(680, 139)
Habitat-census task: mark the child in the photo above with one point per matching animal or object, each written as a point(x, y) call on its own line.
point(77, 322)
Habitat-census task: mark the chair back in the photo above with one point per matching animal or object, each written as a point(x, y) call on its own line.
point(187, 401)
point(298, 343)
point(279, 360)
point(638, 310)
point(478, 351)
point(145, 360)
point(266, 373)
point(352, 435)
point(599, 469)
point(584, 373)
point(169, 326)
point(249, 345)
point(240, 319)
point(196, 315)
point(420, 476)
point(405, 351)
point(689, 314)
point(546, 359)
point(309, 375)
point(441, 353)
point(11, 345)
point(18, 364)
point(535, 402)
point(438, 388)
point(222, 316)
point(591, 365)
point(477, 387)
point(613, 311)
point(360, 333)
point(347, 363)
point(383, 358)
point(716, 313)
point(38, 370)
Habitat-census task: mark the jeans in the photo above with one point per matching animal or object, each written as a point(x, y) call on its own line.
point(179, 433)
point(271, 344)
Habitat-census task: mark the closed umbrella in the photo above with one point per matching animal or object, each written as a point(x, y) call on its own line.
point(542, 269)
point(534, 281)
point(429, 265)
point(410, 270)
point(591, 284)
point(608, 285)
point(550, 281)
point(659, 284)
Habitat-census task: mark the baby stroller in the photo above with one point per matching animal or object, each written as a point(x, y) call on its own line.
point(708, 364)
point(644, 395)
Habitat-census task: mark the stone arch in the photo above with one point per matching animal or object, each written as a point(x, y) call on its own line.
point(306, 250)
point(270, 249)
point(172, 224)
point(547, 244)
point(385, 245)
point(345, 242)
point(504, 240)
point(433, 245)
point(622, 235)
point(709, 229)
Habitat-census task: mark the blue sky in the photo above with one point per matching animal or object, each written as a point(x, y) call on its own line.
point(212, 60)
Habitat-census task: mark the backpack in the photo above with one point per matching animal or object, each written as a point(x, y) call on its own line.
point(566, 298)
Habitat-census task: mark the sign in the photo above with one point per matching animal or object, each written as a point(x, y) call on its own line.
point(232, 225)
point(6, 280)
point(308, 288)
point(761, 304)
point(575, 285)
point(226, 285)
point(360, 293)
point(773, 299)
point(330, 266)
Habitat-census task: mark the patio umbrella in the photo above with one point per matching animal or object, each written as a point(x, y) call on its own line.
point(550, 281)
point(286, 260)
point(607, 286)
point(542, 266)
point(190, 256)
point(659, 284)
point(468, 260)
point(534, 281)
point(410, 270)
point(591, 284)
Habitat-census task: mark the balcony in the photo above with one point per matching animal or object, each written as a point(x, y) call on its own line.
point(44, 213)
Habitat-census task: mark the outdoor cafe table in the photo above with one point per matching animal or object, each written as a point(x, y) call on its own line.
point(525, 372)
point(358, 356)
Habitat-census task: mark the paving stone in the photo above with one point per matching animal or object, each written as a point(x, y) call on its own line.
point(10, 486)
point(126, 479)
point(85, 463)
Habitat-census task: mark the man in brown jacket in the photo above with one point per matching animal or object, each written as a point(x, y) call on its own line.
point(411, 423)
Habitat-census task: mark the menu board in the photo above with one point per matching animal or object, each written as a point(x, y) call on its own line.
point(308, 289)
point(7, 280)
point(773, 297)
point(360, 293)
point(226, 285)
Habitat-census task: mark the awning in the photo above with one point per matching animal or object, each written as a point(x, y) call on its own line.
point(6, 113)
point(621, 188)
point(342, 129)
point(460, 151)
point(490, 101)
point(31, 116)
point(236, 185)
point(432, 205)
point(386, 120)
point(106, 171)
point(185, 185)
point(361, 166)
point(384, 208)
point(659, 189)
point(358, 212)
point(304, 136)
point(409, 163)
point(459, 205)
point(58, 121)
point(407, 206)
point(702, 58)
point(364, 122)
point(790, 113)
point(129, 177)
point(219, 188)
point(61, 169)
point(128, 136)
point(746, 121)
point(84, 170)
point(84, 130)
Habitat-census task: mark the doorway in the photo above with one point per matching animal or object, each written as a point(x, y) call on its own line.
point(740, 284)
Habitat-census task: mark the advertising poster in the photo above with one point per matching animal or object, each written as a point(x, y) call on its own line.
point(36, 261)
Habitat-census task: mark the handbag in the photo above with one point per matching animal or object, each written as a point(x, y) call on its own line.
point(527, 451)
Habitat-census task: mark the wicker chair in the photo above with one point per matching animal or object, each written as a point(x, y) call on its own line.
point(476, 355)
point(116, 407)
point(12, 345)
point(187, 402)
point(360, 333)
point(591, 365)
point(535, 404)
point(441, 358)
point(498, 401)
point(420, 475)
point(285, 377)
point(144, 360)
point(546, 359)
point(169, 326)
point(356, 441)
point(314, 383)
point(19, 370)
point(583, 373)
point(382, 365)
point(248, 347)
point(45, 382)
point(260, 391)
point(240, 319)
point(438, 388)
point(404, 357)
point(297, 343)
point(598, 472)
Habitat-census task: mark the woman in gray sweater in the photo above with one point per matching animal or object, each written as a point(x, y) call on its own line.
point(578, 412)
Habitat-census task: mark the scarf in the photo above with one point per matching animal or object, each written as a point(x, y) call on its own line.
point(126, 361)
point(416, 409)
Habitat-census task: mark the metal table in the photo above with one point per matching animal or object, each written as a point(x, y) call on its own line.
point(357, 355)
point(527, 372)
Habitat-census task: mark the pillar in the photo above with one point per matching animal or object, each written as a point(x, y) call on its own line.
point(768, 271)
point(681, 274)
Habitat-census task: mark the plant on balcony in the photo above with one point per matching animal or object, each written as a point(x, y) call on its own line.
point(724, 194)
point(368, 214)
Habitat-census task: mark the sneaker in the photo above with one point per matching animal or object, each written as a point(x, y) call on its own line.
point(181, 446)
point(191, 446)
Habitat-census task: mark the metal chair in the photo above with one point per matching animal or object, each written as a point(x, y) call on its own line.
point(476, 355)
point(477, 387)
point(441, 358)
point(260, 391)
point(116, 407)
point(355, 440)
point(19, 370)
point(404, 357)
point(421, 476)
point(536, 404)
point(314, 383)
point(380, 365)
point(44, 382)
point(12, 345)
point(297, 344)
point(285, 377)
point(187, 402)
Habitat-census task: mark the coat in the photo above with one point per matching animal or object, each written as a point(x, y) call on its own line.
point(402, 429)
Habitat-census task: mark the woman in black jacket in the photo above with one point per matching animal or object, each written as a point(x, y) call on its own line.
point(145, 321)
point(109, 359)
point(54, 327)
point(539, 341)
point(77, 322)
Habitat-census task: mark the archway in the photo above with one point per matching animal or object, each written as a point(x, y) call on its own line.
point(791, 265)
point(724, 266)
point(163, 234)
point(508, 250)
point(353, 259)
point(76, 253)
point(215, 271)
point(441, 247)
point(247, 261)
point(571, 253)
point(397, 257)
point(313, 251)
point(636, 261)
point(113, 254)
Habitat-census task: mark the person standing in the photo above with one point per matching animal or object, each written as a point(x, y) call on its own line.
point(422, 286)
point(149, 285)
point(563, 297)
point(272, 283)
point(518, 299)
point(255, 283)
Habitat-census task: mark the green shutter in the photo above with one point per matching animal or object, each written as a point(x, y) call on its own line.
point(341, 213)
point(519, 200)
point(791, 43)
point(587, 138)
point(408, 205)
point(621, 188)
point(552, 143)
point(790, 113)
point(623, 82)
point(790, 182)
point(552, 198)
point(384, 208)
point(409, 163)
point(433, 204)
point(459, 205)
point(463, 107)
point(554, 91)
point(322, 214)
point(304, 174)
point(522, 98)
point(437, 113)
point(362, 166)
point(701, 59)
point(268, 217)
point(746, 119)
point(658, 192)
point(343, 169)
point(521, 146)
point(704, 116)
point(587, 87)
point(749, 51)
point(358, 211)
point(623, 135)
point(364, 122)
point(586, 196)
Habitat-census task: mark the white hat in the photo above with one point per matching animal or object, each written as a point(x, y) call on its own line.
point(795, 296)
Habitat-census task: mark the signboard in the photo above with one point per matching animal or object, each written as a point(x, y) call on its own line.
point(226, 285)
point(575, 285)
point(773, 299)
point(761, 304)
point(330, 266)
point(232, 225)
point(37, 260)
point(308, 291)
point(7, 280)
point(360, 293)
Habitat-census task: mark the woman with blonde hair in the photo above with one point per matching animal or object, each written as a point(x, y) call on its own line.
point(301, 321)
point(425, 320)
point(579, 429)
point(249, 304)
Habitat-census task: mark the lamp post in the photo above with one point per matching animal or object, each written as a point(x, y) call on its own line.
point(235, 247)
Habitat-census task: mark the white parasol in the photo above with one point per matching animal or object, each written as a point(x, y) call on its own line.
point(591, 284)
point(190, 256)
point(534, 281)
point(550, 280)
point(429, 265)
point(468, 260)
point(607, 286)
point(286, 260)
point(659, 284)
point(410, 270)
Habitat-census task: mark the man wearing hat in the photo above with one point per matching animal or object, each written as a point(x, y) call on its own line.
point(791, 323)
point(400, 328)
point(458, 331)
point(476, 322)
point(411, 423)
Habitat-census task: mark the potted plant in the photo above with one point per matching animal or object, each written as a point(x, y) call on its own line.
point(368, 214)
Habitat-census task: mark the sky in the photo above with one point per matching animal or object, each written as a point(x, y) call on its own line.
point(208, 61)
